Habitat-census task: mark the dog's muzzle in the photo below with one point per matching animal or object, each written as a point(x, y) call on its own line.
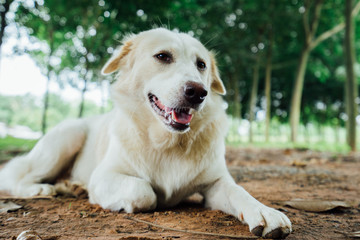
point(178, 118)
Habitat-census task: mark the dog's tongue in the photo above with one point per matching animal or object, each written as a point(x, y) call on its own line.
point(181, 117)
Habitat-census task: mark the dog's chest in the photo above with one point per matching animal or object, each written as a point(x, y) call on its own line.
point(173, 166)
point(173, 178)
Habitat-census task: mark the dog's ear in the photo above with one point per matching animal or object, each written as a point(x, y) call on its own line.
point(114, 62)
point(217, 85)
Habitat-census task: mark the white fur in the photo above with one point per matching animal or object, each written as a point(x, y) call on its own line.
point(128, 159)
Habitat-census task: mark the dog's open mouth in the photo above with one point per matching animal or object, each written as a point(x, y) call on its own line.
point(177, 118)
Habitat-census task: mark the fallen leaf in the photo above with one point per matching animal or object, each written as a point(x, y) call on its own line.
point(6, 206)
point(318, 160)
point(299, 163)
point(315, 205)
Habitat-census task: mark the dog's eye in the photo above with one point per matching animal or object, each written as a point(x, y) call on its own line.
point(164, 57)
point(201, 65)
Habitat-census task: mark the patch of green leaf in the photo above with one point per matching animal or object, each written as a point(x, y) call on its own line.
point(11, 147)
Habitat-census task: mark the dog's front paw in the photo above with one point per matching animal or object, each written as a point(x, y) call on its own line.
point(30, 190)
point(128, 193)
point(267, 222)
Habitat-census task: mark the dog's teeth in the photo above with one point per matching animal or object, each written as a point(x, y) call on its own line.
point(173, 115)
point(168, 118)
point(168, 110)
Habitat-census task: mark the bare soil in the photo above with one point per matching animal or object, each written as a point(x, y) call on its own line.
point(269, 175)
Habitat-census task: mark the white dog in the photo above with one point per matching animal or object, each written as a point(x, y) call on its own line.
point(163, 141)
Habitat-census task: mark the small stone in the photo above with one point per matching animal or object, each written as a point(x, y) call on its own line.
point(29, 235)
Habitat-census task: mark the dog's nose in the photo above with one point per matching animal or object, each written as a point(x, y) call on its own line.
point(194, 93)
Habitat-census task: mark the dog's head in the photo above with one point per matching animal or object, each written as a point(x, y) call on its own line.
point(172, 72)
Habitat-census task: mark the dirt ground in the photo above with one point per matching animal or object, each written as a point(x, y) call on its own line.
point(271, 176)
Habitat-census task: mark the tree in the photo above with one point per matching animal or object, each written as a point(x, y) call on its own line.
point(310, 24)
point(351, 88)
point(46, 22)
point(90, 41)
point(95, 36)
point(310, 31)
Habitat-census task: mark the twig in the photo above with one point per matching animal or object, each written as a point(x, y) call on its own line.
point(349, 234)
point(189, 231)
point(25, 198)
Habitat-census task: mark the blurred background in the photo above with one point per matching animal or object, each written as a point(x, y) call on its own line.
point(290, 66)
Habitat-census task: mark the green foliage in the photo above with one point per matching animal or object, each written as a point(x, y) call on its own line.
point(237, 30)
point(20, 110)
point(26, 110)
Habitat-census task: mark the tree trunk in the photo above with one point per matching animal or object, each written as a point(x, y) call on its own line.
point(6, 7)
point(103, 98)
point(337, 134)
point(237, 99)
point(46, 96)
point(82, 103)
point(268, 70)
point(253, 96)
point(307, 134)
point(297, 93)
point(83, 91)
point(46, 104)
point(350, 83)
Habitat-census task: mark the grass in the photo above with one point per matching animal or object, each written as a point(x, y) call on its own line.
point(16, 143)
point(311, 136)
point(319, 138)
point(10, 146)
point(320, 146)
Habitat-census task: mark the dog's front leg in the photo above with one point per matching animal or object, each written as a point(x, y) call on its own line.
point(115, 191)
point(229, 197)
